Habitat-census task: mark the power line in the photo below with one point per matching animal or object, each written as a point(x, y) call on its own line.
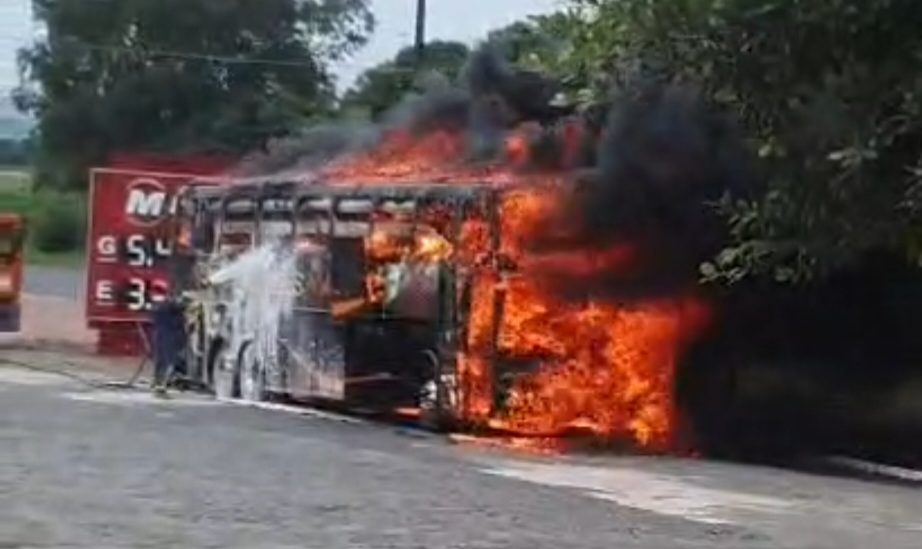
point(198, 56)
point(216, 58)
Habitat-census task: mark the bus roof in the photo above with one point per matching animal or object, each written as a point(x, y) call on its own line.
point(296, 190)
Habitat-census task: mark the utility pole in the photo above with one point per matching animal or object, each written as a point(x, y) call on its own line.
point(420, 30)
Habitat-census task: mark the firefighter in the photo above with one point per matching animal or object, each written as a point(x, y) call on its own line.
point(169, 319)
point(169, 341)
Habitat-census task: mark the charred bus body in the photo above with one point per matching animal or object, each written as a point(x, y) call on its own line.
point(382, 292)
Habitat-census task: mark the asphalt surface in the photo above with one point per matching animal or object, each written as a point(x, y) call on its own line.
point(54, 281)
point(84, 466)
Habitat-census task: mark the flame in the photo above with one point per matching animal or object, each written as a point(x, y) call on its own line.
point(587, 365)
point(606, 369)
point(400, 243)
point(406, 157)
point(517, 150)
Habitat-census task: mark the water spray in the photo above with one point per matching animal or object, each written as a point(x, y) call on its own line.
point(262, 287)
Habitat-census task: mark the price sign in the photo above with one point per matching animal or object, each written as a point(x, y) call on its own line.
point(129, 243)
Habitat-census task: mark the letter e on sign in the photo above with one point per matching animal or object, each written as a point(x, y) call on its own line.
point(146, 204)
point(105, 292)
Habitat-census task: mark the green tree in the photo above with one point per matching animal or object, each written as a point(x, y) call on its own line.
point(380, 88)
point(540, 42)
point(178, 75)
point(15, 152)
point(829, 95)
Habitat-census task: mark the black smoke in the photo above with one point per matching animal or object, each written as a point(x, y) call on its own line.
point(651, 162)
point(665, 158)
point(300, 154)
point(524, 95)
point(490, 98)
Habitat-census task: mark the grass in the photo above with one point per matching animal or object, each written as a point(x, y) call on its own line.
point(65, 260)
point(16, 192)
point(17, 196)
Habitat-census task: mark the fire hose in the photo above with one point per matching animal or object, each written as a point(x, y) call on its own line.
point(58, 372)
point(130, 383)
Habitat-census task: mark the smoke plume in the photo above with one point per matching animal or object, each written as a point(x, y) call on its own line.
point(665, 157)
point(644, 174)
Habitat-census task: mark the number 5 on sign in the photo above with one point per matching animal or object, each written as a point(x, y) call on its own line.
point(137, 251)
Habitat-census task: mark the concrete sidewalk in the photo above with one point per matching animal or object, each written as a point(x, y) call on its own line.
point(49, 321)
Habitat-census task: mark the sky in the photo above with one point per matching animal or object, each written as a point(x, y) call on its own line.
point(461, 20)
point(15, 31)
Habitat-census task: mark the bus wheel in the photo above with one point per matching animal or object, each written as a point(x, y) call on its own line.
point(223, 376)
point(252, 376)
point(435, 407)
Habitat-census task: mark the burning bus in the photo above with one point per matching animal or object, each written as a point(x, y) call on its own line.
point(470, 264)
point(425, 298)
point(490, 261)
point(375, 312)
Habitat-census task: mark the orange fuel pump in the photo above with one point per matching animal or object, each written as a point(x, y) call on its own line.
point(12, 237)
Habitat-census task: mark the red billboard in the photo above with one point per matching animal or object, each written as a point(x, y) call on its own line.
point(129, 242)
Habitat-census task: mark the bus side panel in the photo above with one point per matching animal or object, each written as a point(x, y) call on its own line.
point(316, 356)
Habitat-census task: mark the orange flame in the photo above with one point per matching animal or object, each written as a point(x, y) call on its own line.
point(609, 370)
point(405, 157)
point(418, 244)
point(593, 366)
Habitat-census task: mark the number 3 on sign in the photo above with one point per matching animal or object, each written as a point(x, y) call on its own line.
point(137, 295)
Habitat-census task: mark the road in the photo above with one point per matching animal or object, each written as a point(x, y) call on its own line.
point(84, 467)
point(54, 281)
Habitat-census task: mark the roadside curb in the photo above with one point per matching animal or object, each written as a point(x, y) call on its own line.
point(17, 343)
point(874, 470)
point(299, 410)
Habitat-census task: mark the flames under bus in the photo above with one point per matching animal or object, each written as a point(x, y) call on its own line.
point(383, 292)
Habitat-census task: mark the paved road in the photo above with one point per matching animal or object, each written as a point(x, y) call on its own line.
point(82, 467)
point(54, 281)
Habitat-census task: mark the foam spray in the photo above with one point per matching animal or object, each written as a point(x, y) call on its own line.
point(261, 286)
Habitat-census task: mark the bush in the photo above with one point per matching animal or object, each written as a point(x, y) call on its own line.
point(829, 96)
point(58, 222)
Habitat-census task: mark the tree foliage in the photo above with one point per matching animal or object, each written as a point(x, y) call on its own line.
point(15, 152)
point(380, 88)
point(828, 93)
point(178, 75)
point(538, 42)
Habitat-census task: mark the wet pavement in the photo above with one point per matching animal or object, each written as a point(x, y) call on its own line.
point(83, 465)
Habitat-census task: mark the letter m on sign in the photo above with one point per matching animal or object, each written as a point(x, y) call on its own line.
point(145, 202)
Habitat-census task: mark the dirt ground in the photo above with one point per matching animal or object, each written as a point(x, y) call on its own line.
point(51, 322)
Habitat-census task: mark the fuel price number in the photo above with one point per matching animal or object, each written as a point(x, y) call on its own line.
point(140, 294)
point(145, 252)
point(134, 267)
